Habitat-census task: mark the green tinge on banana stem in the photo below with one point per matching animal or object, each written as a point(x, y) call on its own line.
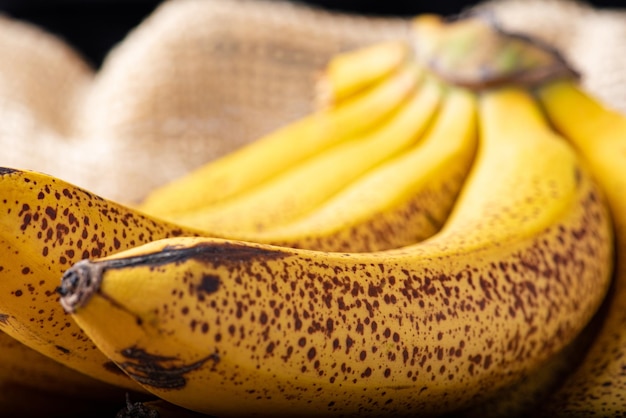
point(474, 52)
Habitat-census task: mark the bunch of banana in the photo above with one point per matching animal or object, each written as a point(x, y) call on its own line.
point(438, 236)
point(228, 327)
point(49, 224)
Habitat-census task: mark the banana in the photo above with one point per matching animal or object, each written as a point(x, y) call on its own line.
point(22, 366)
point(598, 386)
point(353, 71)
point(403, 201)
point(233, 328)
point(298, 191)
point(284, 148)
point(46, 226)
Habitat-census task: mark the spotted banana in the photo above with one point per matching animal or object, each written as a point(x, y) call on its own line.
point(598, 386)
point(46, 226)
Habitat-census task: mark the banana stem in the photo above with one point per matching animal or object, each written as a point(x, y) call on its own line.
point(475, 52)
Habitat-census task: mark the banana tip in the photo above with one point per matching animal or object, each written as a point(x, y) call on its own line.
point(78, 284)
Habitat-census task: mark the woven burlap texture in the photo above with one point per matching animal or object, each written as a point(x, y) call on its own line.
point(199, 78)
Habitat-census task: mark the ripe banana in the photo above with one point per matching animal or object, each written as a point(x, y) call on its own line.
point(296, 192)
point(24, 367)
point(598, 386)
point(353, 71)
point(46, 226)
point(234, 328)
point(399, 203)
point(278, 151)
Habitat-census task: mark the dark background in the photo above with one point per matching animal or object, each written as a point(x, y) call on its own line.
point(94, 26)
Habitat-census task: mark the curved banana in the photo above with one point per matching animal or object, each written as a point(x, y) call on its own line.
point(234, 328)
point(25, 367)
point(351, 72)
point(598, 386)
point(46, 226)
point(282, 149)
point(300, 190)
point(403, 201)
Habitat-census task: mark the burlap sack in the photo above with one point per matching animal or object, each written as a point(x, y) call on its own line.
point(201, 77)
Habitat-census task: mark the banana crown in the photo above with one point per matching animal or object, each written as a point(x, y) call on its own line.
point(471, 50)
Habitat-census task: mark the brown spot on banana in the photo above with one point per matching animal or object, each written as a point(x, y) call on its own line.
point(6, 170)
point(62, 349)
point(209, 284)
point(159, 371)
